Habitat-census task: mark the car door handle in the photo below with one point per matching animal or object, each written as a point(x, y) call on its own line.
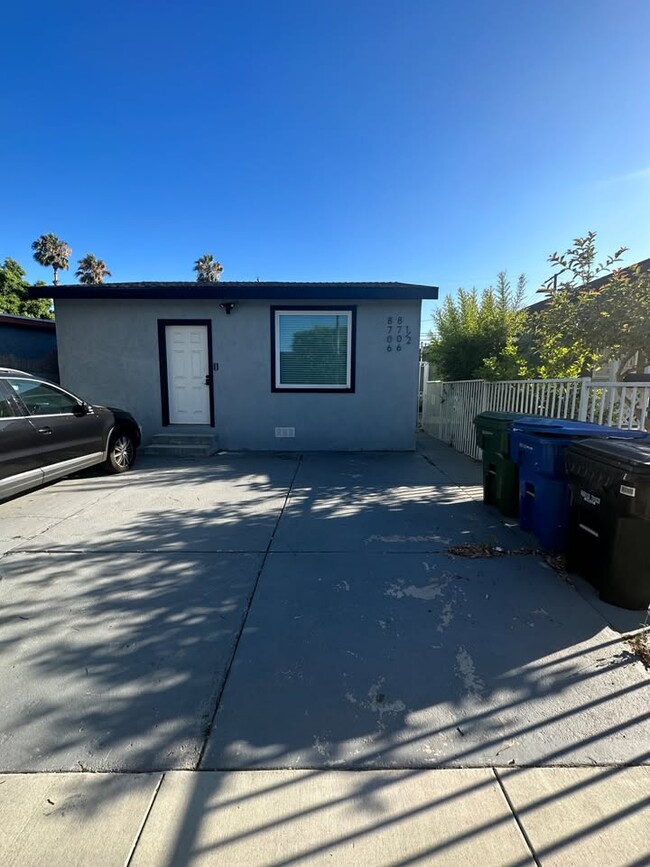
point(45, 430)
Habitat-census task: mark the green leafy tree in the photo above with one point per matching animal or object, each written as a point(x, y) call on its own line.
point(593, 314)
point(208, 270)
point(578, 264)
point(477, 336)
point(13, 293)
point(620, 319)
point(91, 270)
point(52, 252)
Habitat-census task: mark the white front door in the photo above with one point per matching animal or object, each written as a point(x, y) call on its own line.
point(188, 369)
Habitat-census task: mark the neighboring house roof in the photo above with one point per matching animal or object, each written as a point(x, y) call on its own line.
point(643, 265)
point(27, 321)
point(236, 290)
point(538, 305)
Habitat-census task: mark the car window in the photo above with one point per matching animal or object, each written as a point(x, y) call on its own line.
point(42, 399)
point(6, 408)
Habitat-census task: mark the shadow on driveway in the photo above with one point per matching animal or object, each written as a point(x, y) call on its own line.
point(365, 643)
point(257, 612)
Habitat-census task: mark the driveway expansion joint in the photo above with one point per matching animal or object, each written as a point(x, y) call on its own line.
point(251, 597)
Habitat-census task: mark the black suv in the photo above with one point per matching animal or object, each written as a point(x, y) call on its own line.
point(47, 433)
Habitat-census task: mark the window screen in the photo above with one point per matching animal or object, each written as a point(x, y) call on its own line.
point(313, 349)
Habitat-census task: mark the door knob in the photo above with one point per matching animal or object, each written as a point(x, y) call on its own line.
point(208, 379)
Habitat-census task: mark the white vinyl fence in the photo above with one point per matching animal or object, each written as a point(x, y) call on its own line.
point(449, 408)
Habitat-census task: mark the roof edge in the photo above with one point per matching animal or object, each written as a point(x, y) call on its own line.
point(238, 291)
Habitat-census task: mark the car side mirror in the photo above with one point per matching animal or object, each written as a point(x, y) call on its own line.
point(83, 409)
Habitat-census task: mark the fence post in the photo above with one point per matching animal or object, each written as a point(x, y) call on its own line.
point(484, 399)
point(583, 407)
point(422, 403)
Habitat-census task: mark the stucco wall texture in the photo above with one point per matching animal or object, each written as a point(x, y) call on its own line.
point(108, 354)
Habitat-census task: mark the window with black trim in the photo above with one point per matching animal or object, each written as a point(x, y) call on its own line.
point(313, 348)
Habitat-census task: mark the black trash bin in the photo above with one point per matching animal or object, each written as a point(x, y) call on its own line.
point(608, 538)
point(538, 446)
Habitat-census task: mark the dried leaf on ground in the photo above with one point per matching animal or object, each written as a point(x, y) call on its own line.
point(475, 550)
point(558, 564)
point(640, 644)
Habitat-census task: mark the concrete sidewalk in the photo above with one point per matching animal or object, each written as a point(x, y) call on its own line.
point(550, 816)
point(275, 660)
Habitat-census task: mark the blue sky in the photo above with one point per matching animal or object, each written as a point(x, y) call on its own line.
point(429, 142)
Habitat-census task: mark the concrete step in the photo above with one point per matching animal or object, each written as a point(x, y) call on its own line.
point(180, 451)
point(182, 445)
point(181, 439)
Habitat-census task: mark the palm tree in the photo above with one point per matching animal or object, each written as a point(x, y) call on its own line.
point(207, 269)
point(91, 270)
point(52, 252)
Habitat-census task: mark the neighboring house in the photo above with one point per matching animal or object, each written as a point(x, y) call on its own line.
point(611, 370)
point(29, 344)
point(269, 366)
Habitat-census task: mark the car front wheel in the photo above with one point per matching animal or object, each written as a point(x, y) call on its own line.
point(121, 453)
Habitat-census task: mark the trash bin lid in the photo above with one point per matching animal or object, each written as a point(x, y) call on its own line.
point(499, 419)
point(629, 456)
point(562, 427)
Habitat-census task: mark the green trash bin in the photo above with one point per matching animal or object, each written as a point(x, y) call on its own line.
point(500, 473)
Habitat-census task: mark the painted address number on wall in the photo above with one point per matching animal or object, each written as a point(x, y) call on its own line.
point(398, 334)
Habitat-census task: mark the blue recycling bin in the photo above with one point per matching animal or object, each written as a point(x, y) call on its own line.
point(537, 445)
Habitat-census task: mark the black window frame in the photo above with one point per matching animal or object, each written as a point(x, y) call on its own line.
point(314, 308)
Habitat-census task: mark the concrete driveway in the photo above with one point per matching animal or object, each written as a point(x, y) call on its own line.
point(259, 611)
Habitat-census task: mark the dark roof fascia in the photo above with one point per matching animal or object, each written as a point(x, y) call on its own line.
point(27, 321)
point(538, 305)
point(238, 291)
point(643, 266)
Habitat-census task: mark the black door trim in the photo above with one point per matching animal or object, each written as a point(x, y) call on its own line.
point(162, 357)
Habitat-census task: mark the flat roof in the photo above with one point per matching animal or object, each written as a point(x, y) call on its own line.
point(241, 291)
point(27, 321)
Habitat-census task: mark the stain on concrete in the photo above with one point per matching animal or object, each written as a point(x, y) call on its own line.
point(445, 586)
point(429, 591)
point(322, 747)
point(466, 671)
point(446, 617)
point(294, 673)
point(406, 539)
point(376, 703)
